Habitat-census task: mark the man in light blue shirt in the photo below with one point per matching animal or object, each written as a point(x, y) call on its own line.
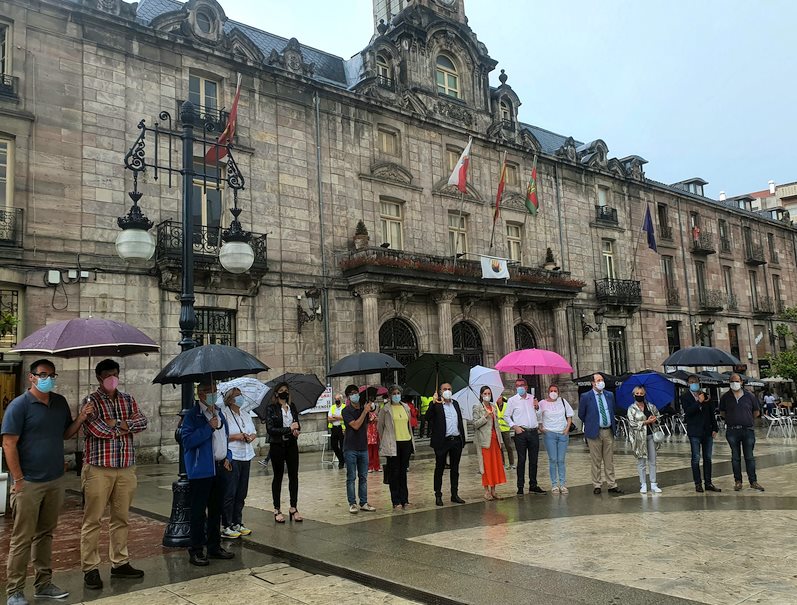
point(447, 440)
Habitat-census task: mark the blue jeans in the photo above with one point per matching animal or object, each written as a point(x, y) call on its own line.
point(706, 443)
point(556, 446)
point(740, 439)
point(356, 466)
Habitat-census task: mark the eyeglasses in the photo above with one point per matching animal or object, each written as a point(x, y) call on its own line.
point(44, 375)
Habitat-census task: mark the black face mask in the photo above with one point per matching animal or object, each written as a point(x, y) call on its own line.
point(283, 396)
point(639, 398)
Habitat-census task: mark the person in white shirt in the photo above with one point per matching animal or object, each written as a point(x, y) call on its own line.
point(242, 434)
point(521, 414)
point(556, 420)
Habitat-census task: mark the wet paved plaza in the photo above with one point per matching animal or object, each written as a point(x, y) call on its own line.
point(674, 547)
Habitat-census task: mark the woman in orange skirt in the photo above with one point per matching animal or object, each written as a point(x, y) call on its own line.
point(489, 445)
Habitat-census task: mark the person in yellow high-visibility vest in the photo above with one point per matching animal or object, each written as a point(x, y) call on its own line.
point(425, 401)
point(336, 428)
point(506, 434)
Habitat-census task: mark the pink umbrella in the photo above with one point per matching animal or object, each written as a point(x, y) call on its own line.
point(377, 390)
point(534, 361)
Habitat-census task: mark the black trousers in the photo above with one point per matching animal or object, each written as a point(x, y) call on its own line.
point(235, 494)
point(285, 453)
point(451, 449)
point(527, 444)
point(396, 471)
point(207, 497)
point(336, 442)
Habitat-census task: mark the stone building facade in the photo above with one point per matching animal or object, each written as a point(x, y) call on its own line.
point(323, 144)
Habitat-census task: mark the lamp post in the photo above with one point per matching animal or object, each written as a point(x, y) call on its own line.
point(135, 242)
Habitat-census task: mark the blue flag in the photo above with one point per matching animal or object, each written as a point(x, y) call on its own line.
point(647, 227)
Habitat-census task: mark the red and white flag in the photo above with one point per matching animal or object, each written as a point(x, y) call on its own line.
point(500, 194)
point(459, 176)
point(219, 150)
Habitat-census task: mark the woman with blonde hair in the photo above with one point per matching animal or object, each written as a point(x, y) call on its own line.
point(489, 444)
point(396, 443)
point(642, 415)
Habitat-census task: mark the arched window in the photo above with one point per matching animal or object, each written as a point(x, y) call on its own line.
point(525, 339)
point(397, 339)
point(447, 77)
point(468, 343)
point(382, 67)
point(506, 110)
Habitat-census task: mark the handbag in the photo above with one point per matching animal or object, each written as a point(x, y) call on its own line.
point(658, 435)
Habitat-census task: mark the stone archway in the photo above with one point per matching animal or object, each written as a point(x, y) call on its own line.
point(397, 339)
point(468, 343)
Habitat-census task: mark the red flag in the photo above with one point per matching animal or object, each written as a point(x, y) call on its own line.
point(499, 196)
point(219, 150)
point(695, 233)
point(459, 176)
point(532, 203)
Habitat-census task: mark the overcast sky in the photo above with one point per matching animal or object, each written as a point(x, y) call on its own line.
point(698, 88)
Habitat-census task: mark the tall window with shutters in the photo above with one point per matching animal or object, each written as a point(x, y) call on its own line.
point(608, 258)
point(618, 353)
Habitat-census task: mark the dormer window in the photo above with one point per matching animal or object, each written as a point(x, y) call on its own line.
point(204, 22)
point(384, 74)
point(505, 110)
point(447, 77)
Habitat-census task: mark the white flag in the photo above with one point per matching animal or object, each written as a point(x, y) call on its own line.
point(494, 268)
point(459, 176)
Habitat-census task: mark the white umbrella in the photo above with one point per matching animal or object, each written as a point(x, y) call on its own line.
point(479, 377)
point(252, 390)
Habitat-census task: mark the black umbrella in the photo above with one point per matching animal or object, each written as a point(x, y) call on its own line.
point(214, 361)
point(701, 356)
point(305, 391)
point(364, 363)
point(430, 370)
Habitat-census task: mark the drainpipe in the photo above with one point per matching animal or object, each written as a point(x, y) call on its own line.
point(559, 213)
point(322, 240)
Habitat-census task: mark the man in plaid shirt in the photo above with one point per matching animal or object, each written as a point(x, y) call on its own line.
point(109, 474)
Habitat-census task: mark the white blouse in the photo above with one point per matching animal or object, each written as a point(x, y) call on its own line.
point(553, 415)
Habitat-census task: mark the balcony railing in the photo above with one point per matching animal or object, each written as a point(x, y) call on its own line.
point(712, 300)
point(725, 244)
point(212, 119)
point(673, 295)
point(763, 305)
point(11, 228)
point(207, 243)
point(780, 306)
point(385, 82)
point(754, 254)
point(9, 86)
point(621, 292)
point(703, 243)
point(605, 214)
point(732, 304)
point(665, 232)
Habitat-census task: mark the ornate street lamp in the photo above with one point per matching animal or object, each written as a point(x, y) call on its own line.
point(135, 242)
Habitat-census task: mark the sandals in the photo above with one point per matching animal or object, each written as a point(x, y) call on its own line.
point(279, 517)
point(295, 516)
point(488, 497)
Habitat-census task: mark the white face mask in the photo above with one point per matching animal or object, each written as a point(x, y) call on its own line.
point(553, 395)
point(600, 385)
point(736, 386)
point(446, 394)
point(486, 398)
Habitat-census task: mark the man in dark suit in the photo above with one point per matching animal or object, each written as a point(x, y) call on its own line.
point(701, 428)
point(596, 411)
point(447, 440)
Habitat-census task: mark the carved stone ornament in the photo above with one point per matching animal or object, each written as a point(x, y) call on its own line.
point(366, 290)
point(514, 201)
point(410, 102)
point(389, 171)
point(400, 303)
point(568, 150)
point(291, 59)
point(454, 112)
point(467, 307)
point(444, 297)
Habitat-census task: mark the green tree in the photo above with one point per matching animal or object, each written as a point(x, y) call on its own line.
point(784, 364)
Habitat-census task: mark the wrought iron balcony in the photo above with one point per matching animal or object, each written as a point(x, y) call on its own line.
point(780, 306)
point(703, 243)
point(9, 86)
point(619, 292)
point(754, 254)
point(212, 119)
point(385, 82)
point(605, 214)
point(732, 304)
point(665, 232)
point(673, 295)
point(763, 305)
point(11, 228)
point(207, 243)
point(712, 300)
point(725, 244)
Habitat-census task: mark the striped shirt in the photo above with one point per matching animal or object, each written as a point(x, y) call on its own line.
point(108, 446)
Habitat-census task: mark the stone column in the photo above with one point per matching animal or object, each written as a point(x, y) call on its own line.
point(369, 293)
point(508, 323)
point(443, 300)
point(561, 330)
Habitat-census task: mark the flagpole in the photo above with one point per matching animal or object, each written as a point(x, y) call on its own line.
point(459, 223)
point(498, 200)
point(636, 252)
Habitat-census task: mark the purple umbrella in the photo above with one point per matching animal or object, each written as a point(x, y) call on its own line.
point(87, 336)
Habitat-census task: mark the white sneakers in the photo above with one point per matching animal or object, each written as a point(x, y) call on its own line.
point(353, 509)
point(643, 489)
point(654, 488)
point(242, 529)
point(229, 533)
point(367, 507)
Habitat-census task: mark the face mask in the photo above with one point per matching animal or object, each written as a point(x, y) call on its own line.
point(45, 385)
point(337, 402)
point(486, 398)
point(639, 397)
point(694, 387)
point(736, 386)
point(110, 383)
point(210, 399)
point(521, 391)
point(395, 398)
point(446, 394)
point(600, 385)
point(283, 396)
point(553, 394)
point(354, 398)
point(240, 400)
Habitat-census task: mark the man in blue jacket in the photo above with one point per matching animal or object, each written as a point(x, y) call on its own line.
point(204, 435)
point(596, 411)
